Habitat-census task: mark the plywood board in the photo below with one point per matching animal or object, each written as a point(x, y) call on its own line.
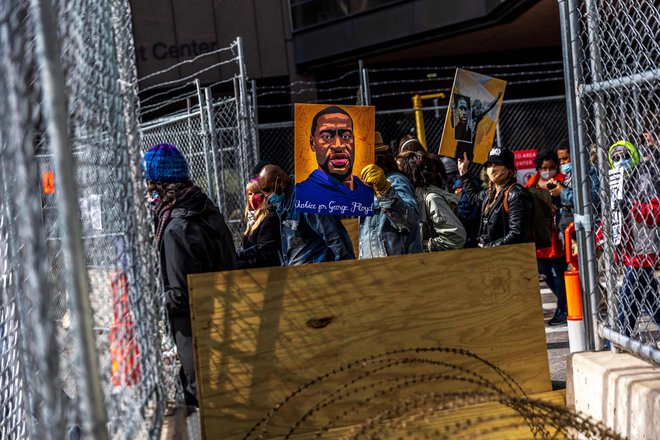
point(260, 334)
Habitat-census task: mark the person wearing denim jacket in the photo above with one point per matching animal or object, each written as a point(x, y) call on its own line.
point(394, 227)
point(306, 237)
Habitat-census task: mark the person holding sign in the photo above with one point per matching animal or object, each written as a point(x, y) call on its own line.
point(394, 227)
point(332, 188)
point(506, 207)
point(306, 237)
point(637, 204)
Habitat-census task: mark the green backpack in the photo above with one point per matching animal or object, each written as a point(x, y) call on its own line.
point(542, 218)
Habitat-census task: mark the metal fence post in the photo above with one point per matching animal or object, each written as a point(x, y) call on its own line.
point(364, 83)
point(601, 139)
point(583, 212)
point(206, 138)
point(214, 144)
point(254, 124)
point(92, 403)
point(243, 112)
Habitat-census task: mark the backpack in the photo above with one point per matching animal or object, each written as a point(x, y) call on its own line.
point(542, 218)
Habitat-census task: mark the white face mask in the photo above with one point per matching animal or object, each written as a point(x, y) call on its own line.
point(547, 175)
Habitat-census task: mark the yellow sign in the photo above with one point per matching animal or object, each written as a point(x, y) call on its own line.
point(472, 115)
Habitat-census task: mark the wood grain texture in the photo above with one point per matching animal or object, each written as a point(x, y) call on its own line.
point(491, 421)
point(260, 334)
point(352, 225)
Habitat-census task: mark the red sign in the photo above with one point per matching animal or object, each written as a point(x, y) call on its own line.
point(48, 182)
point(524, 159)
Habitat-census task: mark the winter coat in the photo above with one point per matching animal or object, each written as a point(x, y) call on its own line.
point(468, 213)
point(196, 240)
point(556, 248)
point(499, 227)
point(312, 238)
point(262, 248)
point(394, 227)
point(441, 229)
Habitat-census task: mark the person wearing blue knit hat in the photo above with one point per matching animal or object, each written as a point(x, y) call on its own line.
point(191, 236)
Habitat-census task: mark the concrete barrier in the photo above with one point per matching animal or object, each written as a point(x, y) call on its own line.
point(618, 389)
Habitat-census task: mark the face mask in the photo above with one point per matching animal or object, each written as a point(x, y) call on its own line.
point(566, 168)
point(547, 175)
point(624, 164)
point(497, 175)
point(276, 199)
point(153, 198)
point(255, 201)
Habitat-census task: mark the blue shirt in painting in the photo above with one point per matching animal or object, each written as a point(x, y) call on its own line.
point(323, 194)
point(312, 238)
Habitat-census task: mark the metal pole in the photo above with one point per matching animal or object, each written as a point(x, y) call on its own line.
point(497, 133)
point(364, 82)
point(419, 119)
point(92, 404)
point(255, 122)
point(583, 213)
point(205, 138)
point(601, 148)
point(243, 107)
point(211, 119)
point(241, 153)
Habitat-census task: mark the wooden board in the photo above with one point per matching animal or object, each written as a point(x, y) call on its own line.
point(352, 227)
point(259, 334)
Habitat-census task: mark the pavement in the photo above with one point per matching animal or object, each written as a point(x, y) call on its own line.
point(556, 339)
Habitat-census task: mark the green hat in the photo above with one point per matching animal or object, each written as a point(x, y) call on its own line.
point(634, 154)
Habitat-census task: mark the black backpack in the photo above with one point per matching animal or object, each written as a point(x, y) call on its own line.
point(542, 217)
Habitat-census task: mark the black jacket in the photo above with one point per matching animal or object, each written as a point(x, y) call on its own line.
point(499, 227)
point(196, 240)
point(262, 248)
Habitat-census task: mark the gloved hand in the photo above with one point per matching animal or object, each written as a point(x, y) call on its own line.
point(374, 176)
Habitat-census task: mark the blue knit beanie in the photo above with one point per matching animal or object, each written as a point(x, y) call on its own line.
point(164, 163)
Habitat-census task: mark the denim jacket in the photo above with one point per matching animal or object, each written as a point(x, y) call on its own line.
point(312, 238)
point(394, 227)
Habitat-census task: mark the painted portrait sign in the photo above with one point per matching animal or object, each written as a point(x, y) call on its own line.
point(474, 107)
point(332, 145)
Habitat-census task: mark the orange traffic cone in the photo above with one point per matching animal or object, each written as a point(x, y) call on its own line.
point(124, 351)
point(574, 320)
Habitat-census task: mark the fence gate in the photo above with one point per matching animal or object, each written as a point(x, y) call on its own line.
point(612, 67)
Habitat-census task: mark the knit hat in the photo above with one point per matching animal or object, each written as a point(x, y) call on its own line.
point(164, 163)
point(623, 146)
point(502, 156)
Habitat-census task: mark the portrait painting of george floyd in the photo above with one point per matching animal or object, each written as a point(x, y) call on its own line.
point(332, 145)
point(474, 107)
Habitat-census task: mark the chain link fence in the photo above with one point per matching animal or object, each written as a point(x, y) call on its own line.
point(613, 69)
point(81, 321)
point(215, 133)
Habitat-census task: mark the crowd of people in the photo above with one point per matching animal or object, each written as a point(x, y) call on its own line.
point(421, 203)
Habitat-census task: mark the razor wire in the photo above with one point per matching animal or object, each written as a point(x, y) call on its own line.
point(616, 59)
point(42, 377)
